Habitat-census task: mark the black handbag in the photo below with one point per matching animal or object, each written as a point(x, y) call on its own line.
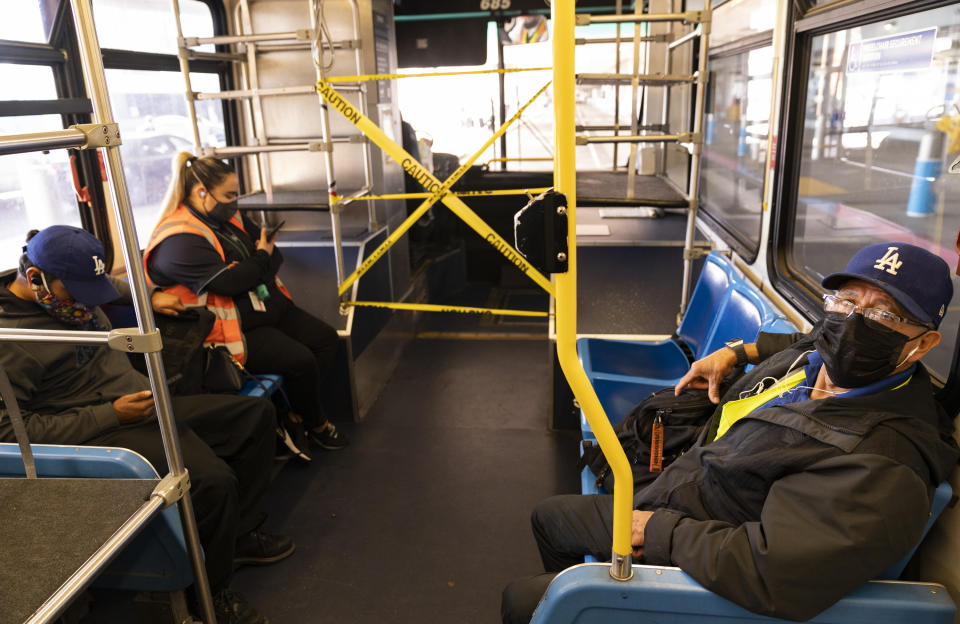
point(221, 372)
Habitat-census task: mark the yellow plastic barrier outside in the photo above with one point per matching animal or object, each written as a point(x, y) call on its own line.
point(565, 181)
point(480, 193)
point(429, 307)
point(368, 77)
point(440, 191)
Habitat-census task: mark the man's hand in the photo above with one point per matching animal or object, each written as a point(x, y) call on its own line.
point(708, 372)
point(264, 243)
point(133, 408)
point(640, 519)
point(166, 303)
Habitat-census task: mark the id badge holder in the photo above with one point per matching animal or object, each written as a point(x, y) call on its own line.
point(255, 301)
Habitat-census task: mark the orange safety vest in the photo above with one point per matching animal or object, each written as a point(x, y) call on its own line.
point(226, 328)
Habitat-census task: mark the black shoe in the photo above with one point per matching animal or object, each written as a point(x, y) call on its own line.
point(232, 608)
point(329, 437)
point(259, 548)
point(288, 444)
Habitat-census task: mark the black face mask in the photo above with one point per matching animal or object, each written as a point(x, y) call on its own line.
point(855, 352)
point(222, 211)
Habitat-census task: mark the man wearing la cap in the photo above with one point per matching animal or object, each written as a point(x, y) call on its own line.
point(815, 472)
point(93, 396)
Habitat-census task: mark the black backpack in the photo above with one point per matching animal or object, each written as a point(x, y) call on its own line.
point(682, 417)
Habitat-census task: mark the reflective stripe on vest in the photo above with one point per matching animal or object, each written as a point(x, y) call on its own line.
point(226, 328)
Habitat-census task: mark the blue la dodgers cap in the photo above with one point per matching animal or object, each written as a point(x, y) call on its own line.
point(74, 256)
point(918, 280)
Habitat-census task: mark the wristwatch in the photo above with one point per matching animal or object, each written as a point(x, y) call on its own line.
point(738, 349)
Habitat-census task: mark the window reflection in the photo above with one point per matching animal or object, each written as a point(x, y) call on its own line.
point(36, 188)
point(152, 112)
point(881, 127)
point(735, 149)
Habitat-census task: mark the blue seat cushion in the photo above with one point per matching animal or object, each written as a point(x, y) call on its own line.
point(586, 594)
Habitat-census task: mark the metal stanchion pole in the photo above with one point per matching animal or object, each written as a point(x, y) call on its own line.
point(97, 88)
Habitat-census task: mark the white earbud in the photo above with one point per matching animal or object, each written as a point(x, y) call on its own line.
point(203, 193)
point(909, 355)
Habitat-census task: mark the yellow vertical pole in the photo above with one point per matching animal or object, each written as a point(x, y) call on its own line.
point(565, 181)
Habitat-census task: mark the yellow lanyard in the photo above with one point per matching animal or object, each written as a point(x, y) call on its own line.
point(735, 410)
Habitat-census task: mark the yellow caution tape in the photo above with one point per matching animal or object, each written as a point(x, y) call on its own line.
point(440, 191)
point(481, 193)
point(429, 307)
point(366, 77)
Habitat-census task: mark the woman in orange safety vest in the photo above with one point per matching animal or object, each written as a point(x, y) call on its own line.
point(204, 251)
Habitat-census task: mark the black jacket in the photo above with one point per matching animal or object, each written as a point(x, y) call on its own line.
point(62, 400)
point(797, 505)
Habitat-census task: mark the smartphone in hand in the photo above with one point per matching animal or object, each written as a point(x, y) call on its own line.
point(273, 231)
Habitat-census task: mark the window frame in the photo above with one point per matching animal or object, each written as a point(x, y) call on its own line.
point(61, 53)
point(790, 281)
point(114, 58)
point(745, 249)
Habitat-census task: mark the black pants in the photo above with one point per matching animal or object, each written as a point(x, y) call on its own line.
point(300, 347)
point(566, 528)
point(227, 443)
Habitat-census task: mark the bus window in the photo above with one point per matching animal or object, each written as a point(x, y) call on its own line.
point(149, 104)
point(735, 149)
point(881, 126)
point(115, 17)
point(460, 126)
point(457, 125)
point(36, 189)
point(152, 113)
point(23, 21)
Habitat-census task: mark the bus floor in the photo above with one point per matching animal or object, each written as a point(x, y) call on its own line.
point(426, 514)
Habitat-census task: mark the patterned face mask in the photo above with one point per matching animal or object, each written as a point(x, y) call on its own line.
point(73, 313)
point(67, 311)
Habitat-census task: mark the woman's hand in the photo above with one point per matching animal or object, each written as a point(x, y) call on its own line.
point(166, 303)
point(264, 243)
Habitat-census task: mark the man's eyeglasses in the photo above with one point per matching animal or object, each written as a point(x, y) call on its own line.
point(833, 303)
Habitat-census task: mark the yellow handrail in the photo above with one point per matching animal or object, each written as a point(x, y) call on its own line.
point(565, 181)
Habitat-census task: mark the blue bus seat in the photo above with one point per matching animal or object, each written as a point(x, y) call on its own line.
point(156, 560)
point(264, 387)
point(724, 305)
point(585, 594)
point(941, 498)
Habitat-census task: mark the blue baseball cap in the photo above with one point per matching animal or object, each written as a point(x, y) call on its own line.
point(918, 280)
point(75, 257)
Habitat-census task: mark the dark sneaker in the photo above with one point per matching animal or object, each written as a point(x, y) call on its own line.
point(328, 437)
point(288, 444)
point(232, 608)
point(259, 548)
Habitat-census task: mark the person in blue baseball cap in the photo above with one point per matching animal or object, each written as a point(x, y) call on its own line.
point(87, 395)
point(884, 316)
point(816, 469)
point(77, 259)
